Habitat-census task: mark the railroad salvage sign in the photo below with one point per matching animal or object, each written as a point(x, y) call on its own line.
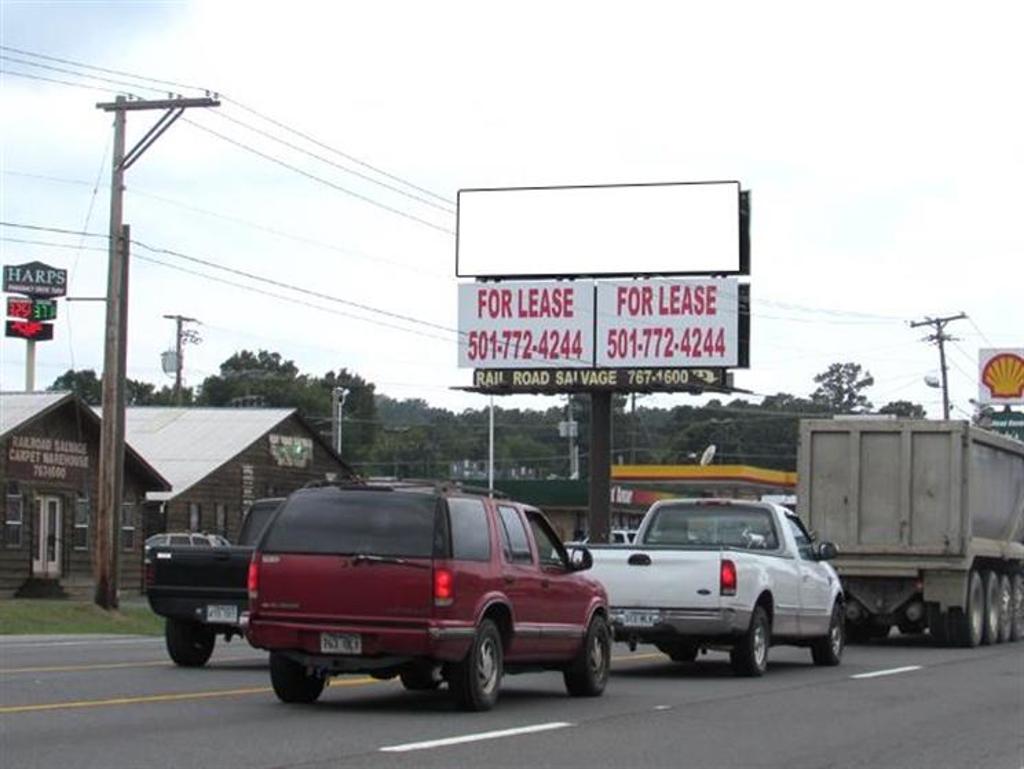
point(552, 381)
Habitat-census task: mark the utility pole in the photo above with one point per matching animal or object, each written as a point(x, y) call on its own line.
point(182, 336)
point(338, 397)
point(115, 345)
point(940, 338)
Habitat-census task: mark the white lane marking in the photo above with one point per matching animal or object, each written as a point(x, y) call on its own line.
point(107, 642)
point(662, 707)
point(475, 737)
point(889, 672)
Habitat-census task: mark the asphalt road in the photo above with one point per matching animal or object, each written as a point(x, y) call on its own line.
point(118, 702)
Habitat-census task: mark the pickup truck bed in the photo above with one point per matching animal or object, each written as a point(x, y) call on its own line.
point(201, 591)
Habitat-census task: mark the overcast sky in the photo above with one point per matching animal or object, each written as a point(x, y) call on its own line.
point(882, 143)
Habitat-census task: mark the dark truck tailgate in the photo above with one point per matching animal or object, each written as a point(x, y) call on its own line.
point(198, 583)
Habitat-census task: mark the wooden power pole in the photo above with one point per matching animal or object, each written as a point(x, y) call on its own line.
point(115, 340)
point(940, 338)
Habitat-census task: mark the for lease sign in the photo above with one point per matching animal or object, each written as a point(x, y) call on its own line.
point(526, 324)
point(668, 323)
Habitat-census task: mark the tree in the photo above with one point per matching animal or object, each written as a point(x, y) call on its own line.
point(903, 409)
point(840, 388)
point(85, 384)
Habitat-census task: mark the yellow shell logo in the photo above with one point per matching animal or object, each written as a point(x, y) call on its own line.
point(1004, 375)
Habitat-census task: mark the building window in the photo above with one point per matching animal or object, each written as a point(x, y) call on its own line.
point(195, 517)
point(13, 518)
point(220, 514)
point(128, 526)
point(80, 536)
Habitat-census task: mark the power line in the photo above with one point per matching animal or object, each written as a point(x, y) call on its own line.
point(64, 71)
point(53, 80)
point(122, 73)
point(240, 105)
point(366, 177)
point(320, 179)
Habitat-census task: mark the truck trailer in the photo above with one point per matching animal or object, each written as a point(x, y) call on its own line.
point(928, 520)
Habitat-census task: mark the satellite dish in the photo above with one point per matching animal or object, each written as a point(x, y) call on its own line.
point(932, 381)
point(707, 456)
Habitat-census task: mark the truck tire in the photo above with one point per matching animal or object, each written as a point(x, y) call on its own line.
point(749, 657)
point(967, 625)
point(828, 650)
point(475, 681)
point(188, 643)
point(938, 626)
point(291, 682)
point(587, 674)
point(420, 679)
point(993, 606)
point(1017, 610)
point(1005, 609)
point(679, 651)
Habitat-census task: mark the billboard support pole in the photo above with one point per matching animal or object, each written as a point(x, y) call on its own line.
point(600, 460)
point(30, 365)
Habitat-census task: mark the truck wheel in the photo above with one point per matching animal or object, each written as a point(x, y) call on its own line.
point(938, 626)
point(1005, 608)
point(967, 625)
point(993, 606)
point(680, 651)
point(291, 682)
point(420, 679)
point(189, 643)
point(828, 650)
point(587, 675)
point(1017, 607)
point(749, 657)
point(475, 681)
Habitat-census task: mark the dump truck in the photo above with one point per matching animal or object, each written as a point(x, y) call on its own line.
point(928, 520)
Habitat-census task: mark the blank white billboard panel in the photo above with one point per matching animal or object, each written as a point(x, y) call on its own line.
point(664, 229)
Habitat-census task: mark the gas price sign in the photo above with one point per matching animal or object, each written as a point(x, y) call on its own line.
point(526, 325)
point(31, 309)
point(668, 323)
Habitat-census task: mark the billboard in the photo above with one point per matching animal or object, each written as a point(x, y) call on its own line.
point(686, 323)
point(553, 381)
point(1001, 376)
point(603, 230)
point(524, 324)
point(35, 279)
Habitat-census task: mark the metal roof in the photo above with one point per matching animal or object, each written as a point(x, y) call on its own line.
point(17, 408)
point(187, 444)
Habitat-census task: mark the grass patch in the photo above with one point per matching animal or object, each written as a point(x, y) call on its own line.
point(22, 616)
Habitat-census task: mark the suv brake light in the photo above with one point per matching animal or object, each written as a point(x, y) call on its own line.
point(444, 587)
point(253, 579)
point(150, 572)
point(727, 580)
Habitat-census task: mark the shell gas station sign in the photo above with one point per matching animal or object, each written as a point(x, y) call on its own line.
point(1001, 376)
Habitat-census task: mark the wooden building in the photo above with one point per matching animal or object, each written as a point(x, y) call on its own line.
point(49, 466)
point(218, 460)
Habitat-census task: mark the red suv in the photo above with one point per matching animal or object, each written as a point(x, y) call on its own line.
point(430, 584)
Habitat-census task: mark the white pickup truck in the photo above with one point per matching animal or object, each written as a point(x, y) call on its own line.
point(719, 573)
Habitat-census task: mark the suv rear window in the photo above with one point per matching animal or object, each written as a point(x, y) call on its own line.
point(713, 525)
point(351, 521)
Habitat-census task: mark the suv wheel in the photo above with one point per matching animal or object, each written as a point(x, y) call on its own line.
point(291, 682)
point(587, 674)
point(749, 657)
point(475, 680)
point(189, 643)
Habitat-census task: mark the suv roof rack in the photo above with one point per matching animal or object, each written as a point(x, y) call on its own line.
point(448, 487)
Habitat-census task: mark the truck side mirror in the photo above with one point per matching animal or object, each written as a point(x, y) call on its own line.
point(580, 558)
point(825, 551)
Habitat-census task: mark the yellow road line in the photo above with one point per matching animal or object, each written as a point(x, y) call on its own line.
point(109, 666)
point(176, 697)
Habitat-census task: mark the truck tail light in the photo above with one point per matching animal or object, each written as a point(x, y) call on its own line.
point(253, 580)
point(727, 581)
point(444, 587)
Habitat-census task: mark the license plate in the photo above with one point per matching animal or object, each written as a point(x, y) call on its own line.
point(639, 618)
point(222, 614)
point(341, 643)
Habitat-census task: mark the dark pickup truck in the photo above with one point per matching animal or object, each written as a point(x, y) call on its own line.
point(201, 591)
